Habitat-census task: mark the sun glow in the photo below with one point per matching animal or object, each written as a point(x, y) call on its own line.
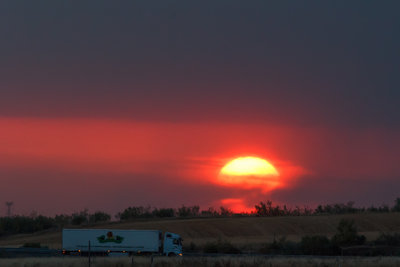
point(249, 166)
point(249, 172)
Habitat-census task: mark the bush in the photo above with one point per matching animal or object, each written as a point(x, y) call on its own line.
point(220, 247)
point(192, 211)
point(43, 223)
point(99, 216)
point(316, 245)
point(280, 246)
point(225, 212)
point(191, 248)
point(210, 212)
point(396, 205)
point(266, 209)
point(210, 247)
point(80, 218)
point(338, 208)
point(62, 220)
point(23, 224)
point(388, 240)
point(32, 245)
point(162, 213)
point(134, 212)
point(347, 234)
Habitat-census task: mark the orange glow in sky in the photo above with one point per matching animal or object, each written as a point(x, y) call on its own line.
point(53, 155)
point(237, 205)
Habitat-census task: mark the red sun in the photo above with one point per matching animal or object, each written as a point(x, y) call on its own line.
point(249, 172)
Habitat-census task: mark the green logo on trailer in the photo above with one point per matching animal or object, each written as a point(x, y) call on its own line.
point(110, 238)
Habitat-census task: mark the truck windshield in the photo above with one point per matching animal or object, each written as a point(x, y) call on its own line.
point(177, 242)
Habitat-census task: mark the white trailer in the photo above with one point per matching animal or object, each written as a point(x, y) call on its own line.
point(106, 241)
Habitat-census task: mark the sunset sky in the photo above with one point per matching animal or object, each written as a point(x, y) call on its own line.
point(110, 104)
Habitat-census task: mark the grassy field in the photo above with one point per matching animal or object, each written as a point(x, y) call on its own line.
point(203, 262)
point(244, 232)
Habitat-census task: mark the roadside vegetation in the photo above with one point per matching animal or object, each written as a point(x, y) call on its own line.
point(328, 230)
point(35, 223)
point(346, 241)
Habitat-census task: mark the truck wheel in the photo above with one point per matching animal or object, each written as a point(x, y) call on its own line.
point(171, 254)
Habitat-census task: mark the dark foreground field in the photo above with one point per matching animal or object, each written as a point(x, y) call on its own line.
point(247, 233)
point(257, 261)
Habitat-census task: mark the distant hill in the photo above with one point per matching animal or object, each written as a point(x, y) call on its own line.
point(247, 232)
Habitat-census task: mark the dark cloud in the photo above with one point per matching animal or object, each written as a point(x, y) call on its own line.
point(277, 62)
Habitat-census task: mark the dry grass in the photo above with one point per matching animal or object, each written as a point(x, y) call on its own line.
point(244, 232)
point(203, 262)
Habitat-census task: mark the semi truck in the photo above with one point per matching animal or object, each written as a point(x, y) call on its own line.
point(109, 241)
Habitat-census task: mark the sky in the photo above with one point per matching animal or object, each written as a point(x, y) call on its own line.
point(110, 104)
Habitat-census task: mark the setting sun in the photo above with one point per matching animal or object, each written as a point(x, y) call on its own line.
point(249, 172)
point(249, 166)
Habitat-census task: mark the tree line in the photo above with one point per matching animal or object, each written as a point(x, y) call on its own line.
point(268, 209)
point(34, 223)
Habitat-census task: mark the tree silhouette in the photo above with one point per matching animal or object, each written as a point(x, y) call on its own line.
point(396, 205)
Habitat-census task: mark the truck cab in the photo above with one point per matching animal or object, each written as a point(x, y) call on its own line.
point(172, 244)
